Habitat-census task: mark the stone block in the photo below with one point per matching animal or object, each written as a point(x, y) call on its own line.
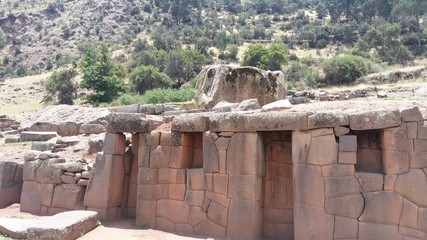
point(217, 198)
point(310, 184)
point(105, 186)
point(370, 182)
point(197, 215)
point(183, 139)
point(146, 213)
point(422, 130)
point(244, 154)
point(190, 123)
point(274, 121)
point(36, 136)
point(209, 181)
point(167, 175)
point(153, 138)
point(338, 170)
point(420, 145)
point(30, 170)
point(321, 132)
point(67, 196)
point(345, 228)
point(396, 139)
point(317, 154)
point(88, 129)
point(42, 146)
point(131, 122)
point(220, 183)
point(301, 141)
point(114, 143)
point(375, 119)
point(175, 211)
point(181, 157)
point(209, 228)
point(148, 176)
point(411, 233)
point(418, 159)
point(159, 156)
point(244, 221)
point(194, 198)
point(347, 157)
point(184, 228)
point(340, 131)
point(49, 171)
point(327, 118)
point(218, 214)
point(46, 194)
point(244, 187)
point(413, 186)
point(227, 122)
point(389, 182)
point(196, 179)
point(210, 154)
point(382, 207)
point(181, 176)
point(312, 222)
point(341, 186)
point(412, 114)
point(68, 179)
point(165, 224)
point(348, 206)
point(150, 192)
point(222, 161)
point(222, 143)
point(174, 191)
point(372, 231)
point(412, 130)
point(30, 198)
point(348, 143)
point(422, 219)
point(144, 153)
point(277, 216)
point(409, 214)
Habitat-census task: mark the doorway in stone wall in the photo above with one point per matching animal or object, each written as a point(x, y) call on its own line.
point(278, 205)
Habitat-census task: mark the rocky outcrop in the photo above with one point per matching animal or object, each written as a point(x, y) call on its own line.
point(64, 119)
point(234, 84)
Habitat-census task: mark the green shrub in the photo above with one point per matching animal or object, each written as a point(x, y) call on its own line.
point(345, 69)
point(60, 87)
point(160, 95)
point(144, 78)
point(2, 38)
point(268, 58)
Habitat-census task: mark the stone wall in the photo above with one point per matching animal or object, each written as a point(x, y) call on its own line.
point(10, 183)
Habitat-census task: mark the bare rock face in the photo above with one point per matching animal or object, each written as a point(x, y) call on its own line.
point(64, 119)
point(234, 84)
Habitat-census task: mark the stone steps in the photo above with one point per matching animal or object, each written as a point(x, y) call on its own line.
point(67, 226)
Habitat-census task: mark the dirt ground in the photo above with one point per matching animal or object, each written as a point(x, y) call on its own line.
point(119, 229)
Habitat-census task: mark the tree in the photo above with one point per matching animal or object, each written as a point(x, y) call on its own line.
point(268, 58)
point(144, 78)
point(98, 76)
point(60, 87)
point(2, 38)
point(345, 69)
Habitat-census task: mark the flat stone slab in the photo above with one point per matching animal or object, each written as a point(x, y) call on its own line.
point(66, 225)
point(37, 136)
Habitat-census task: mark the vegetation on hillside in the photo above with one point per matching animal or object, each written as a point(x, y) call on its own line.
point(165, 43)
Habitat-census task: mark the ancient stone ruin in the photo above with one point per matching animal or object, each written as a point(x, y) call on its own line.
point(353, 171)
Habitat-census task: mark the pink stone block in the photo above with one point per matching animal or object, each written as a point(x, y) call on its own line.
point(146, 213)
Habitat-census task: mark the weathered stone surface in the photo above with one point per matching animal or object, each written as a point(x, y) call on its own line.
point(147, 176)
point(235, 84)
point(345, 228)
point(318, 156)
point(10, 183)
point(422, 222)
point(30, 198)
point(197, 215)
point(279, 105)
point(48, 171)
point(160, 156)
point(114, 143)
point(227, 122)
point(348, 143)
point(389, 182)
point(411, 233)
point(370, 182)
point(196, 179)
point(341, 186)
point(209, 228)
point(67, 196)
point(244, 154)
point(412, 114)
point(375, 119)
point(146, 213)
point(175, 211)
point(92, 129)
point(340, 131)
point(396, 139)
point(412, 130)
point(409, 214)
point(418, 160)
point(273, 121)
point(321, 132)
point(194, 198)
point(42, 146)
point(413, 186)
point(338, 170)
point(244, 221)
point(222, 143)
point(310, 184)
point(221, 183)
point(249, 104)
point(224, 106)
point(422, 130)
point(218, 214)
point(210, 154)
point(244, 187)
point(276, 216)
point(327, 118)
point(131, 122)
point(301, 141)
point(347, 157)
point(372, 231)
point(382, 207)
point(420, 145)
point(37, 136)
point(348, 206)
point(190, 123)
point(74, 167)
point(312, 222)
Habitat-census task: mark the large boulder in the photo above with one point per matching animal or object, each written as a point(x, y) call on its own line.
point(64, 119)
point(218, 83)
